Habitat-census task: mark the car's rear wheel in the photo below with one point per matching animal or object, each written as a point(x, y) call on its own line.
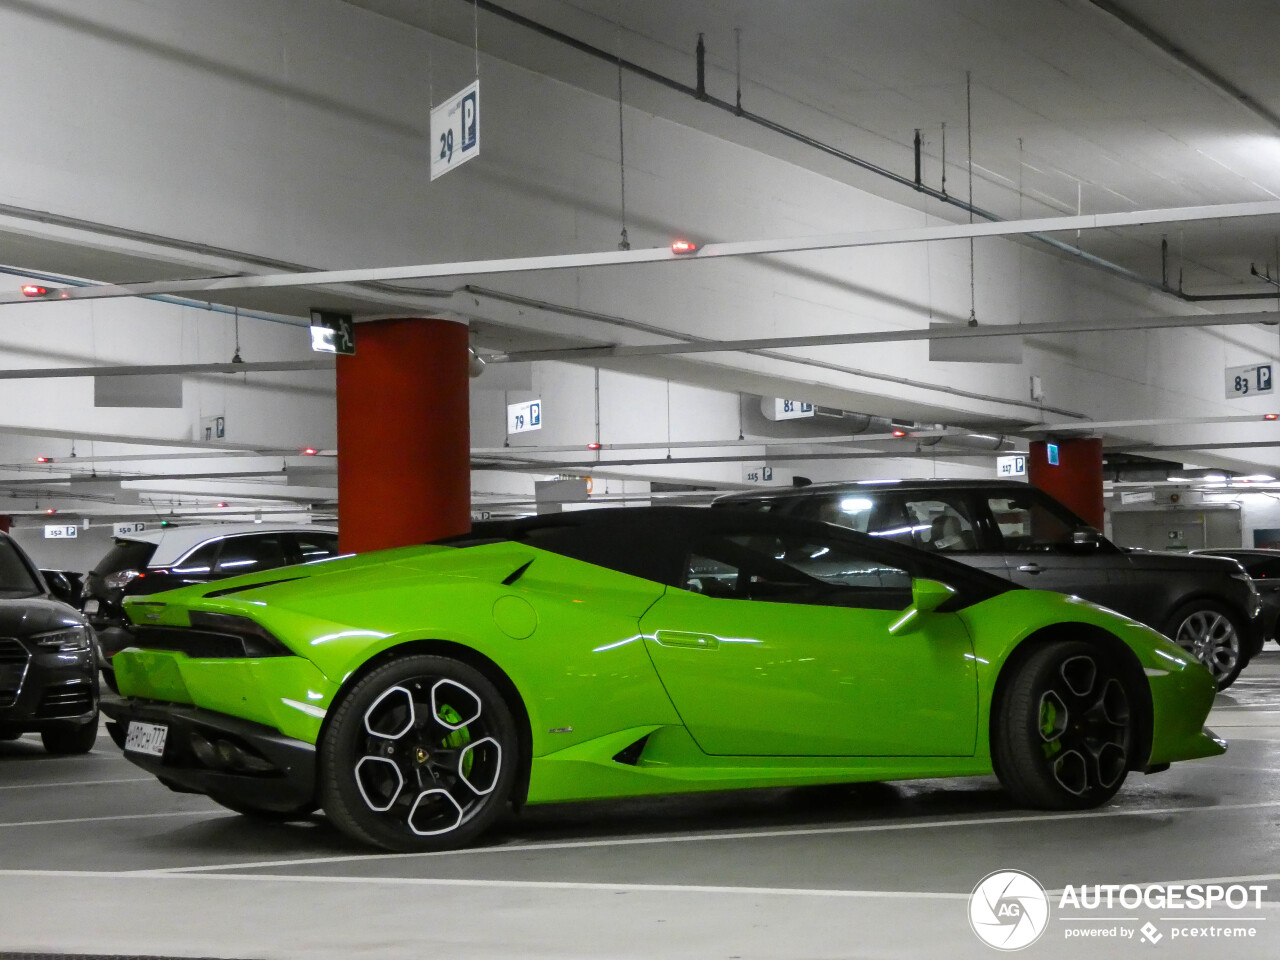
point(1064, 728)
point(1211, 633)
point(421, 755)
point(70, 737)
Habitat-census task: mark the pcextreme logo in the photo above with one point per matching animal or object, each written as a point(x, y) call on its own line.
point(1009, 910)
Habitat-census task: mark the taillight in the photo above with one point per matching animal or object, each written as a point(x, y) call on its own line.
point(120, 579)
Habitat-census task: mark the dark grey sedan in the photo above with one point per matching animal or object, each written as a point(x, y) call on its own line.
point(1208, 605)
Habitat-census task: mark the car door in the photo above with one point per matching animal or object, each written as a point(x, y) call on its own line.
point(780, 645)
point(1040, 552)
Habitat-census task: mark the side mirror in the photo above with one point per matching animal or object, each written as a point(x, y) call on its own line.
point(60, 587)
point(926, 597)
point(1086, 538)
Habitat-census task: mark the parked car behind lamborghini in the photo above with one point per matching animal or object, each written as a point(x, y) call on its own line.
point(1208, 605)
point(171, 557)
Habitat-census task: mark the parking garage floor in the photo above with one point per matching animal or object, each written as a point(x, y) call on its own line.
point(97, 858)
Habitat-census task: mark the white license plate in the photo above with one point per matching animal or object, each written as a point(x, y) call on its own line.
point(90, 607)
point(146, 738)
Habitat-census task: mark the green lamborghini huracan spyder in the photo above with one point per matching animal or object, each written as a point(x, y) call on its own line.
point(415, 693)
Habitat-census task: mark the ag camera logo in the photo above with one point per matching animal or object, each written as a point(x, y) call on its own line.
point(1008, 910)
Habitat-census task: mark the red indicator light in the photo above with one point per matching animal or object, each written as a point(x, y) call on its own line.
point(684, 246)
point(593, 446)
point(222, 503)
point(44, 459)
point(899, 433)
point(1271, 416)
point(33, 290)
point(51, 511)
point(310, 452)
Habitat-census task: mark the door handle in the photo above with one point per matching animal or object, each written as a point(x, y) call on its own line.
point(1030, 568)
point(692, 641)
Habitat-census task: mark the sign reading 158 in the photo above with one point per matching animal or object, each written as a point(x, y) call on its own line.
point(1250, 380)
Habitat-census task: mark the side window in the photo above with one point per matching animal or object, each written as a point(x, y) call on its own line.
point(941, 526)
point(200, 562)
point(315, 546)
point(250, 554)
point(851, 510)
point(783, 569)
point(1029, 526)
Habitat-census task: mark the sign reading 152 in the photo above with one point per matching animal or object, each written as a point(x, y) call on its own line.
point(1250, 380)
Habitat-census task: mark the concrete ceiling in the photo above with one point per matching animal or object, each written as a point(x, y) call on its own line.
point(1073, 108)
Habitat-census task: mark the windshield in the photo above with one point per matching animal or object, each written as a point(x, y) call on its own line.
point(16, 579)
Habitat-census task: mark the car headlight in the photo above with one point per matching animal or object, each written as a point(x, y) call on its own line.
point(66, 640)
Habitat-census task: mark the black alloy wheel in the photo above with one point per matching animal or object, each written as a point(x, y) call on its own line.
point(421, 755)
point(1064, 732)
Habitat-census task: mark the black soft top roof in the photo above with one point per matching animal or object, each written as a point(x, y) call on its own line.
point(654, 542)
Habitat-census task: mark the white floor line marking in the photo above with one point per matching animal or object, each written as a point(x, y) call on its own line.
point(1245, 766)
point(739, 835)
point(72, 783)
point(122, 816)
point(517, 884)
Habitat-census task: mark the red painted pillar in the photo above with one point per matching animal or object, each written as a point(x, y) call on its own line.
point(404, 443)
point(1075, 480)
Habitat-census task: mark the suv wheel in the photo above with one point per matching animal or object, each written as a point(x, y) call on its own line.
point(71, 737)
point(1211, 633)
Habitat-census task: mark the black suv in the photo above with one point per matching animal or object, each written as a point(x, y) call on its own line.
point(1208, 605)
point(48, 661)
point(176, 556)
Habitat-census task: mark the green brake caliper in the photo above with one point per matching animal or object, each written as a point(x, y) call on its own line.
point(1048, 722)
point(456, 739)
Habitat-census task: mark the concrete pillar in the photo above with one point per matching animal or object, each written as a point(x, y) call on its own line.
point(404, 449)
point(1075, 480)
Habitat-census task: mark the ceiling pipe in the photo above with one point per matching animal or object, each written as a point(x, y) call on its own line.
point(699, 93)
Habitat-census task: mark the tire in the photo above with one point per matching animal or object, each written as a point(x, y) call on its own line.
point(71, 737)
point(300, 812)
point(420, 756)
point(1064, 732)
point(1212, 634)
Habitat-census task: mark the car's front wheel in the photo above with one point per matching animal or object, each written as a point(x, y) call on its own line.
point(1064, 728)
point(421, 755)
point(70, 737)
point(1211, 633)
